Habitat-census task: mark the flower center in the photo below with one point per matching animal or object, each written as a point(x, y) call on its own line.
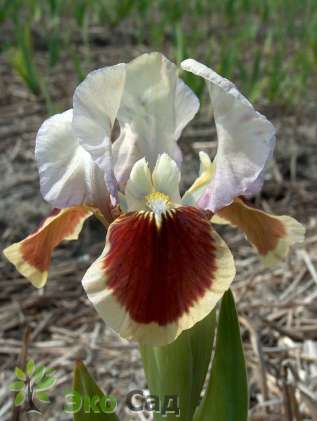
point(158, 202)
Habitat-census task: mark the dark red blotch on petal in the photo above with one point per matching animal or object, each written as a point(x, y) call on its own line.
point(158, 273)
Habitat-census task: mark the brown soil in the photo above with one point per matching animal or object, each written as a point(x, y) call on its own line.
point(277, 308)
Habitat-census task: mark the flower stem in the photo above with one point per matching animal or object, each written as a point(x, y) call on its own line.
point(176, 372)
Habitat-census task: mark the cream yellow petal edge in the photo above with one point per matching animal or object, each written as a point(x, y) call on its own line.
point(206, 174)
point(216, 219)
point(110, 310)
point(295, 233)
point(14, 255)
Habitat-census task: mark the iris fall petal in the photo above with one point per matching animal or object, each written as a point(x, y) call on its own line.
point(153, 281)
point(32, 256)
point(271, 235)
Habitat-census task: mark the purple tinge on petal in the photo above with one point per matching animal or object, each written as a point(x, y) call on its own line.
point(68, 175)
point(96, 102)
point(246, 141)
point(150, 103)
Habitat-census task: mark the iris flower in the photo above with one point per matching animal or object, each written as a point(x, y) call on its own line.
point(163, 267)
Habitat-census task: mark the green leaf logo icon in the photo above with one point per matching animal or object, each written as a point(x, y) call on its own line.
point(32, 384)
point(20, 398)
point(45, 384)
point(17, 386)
point(30, 367)
point(42, 396)
point(20, 374)
point(38, 373)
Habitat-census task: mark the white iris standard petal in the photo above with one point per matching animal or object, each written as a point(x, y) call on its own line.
point(156, 106)
point(68, 175)
point(151, 104)
point(96, 103)
point(246, 140)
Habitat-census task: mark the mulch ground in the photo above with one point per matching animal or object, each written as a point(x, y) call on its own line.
point(57, 325)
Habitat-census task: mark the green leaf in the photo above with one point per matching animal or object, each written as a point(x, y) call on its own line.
point(19, 399)
point(226, 398)
point(20, 374)
point(87, 401)
point(180, 368)
point(45, 384)
point(16, 386)
point(30, 367)
point(42, 396)
point(202, 339)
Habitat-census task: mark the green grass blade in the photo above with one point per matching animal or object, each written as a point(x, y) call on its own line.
point(226, 398)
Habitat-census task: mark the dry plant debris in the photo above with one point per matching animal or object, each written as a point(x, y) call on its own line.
point(277, 307)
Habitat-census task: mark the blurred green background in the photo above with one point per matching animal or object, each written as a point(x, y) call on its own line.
point(268, 46)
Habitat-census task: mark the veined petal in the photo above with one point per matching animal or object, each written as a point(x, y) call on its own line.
point(152, 282)
point(156, 106)
point(246, 140)
point(125, 154)
point(68, 175)
point(96, 103)
point(166, 178)
point(186, 107)
point(197, 189)
point(271, 235)
point(138, 186)
point(32, 256)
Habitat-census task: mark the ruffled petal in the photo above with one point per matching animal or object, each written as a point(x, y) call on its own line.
point(166, 178)
point(32, 256)
point(68, 175)
point(151, 104)
point(156, 106)
point(154, 281)
point(246, 140)
point(125, 154)
point(271, 235)
point(96, 102)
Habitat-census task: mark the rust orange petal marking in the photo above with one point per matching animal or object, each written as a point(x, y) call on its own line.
point(158, 272)
point(38, 247)
point(32, 255)
point(262, 229)
point(270, 234)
